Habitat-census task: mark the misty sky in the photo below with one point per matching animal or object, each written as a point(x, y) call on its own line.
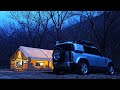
point(3, 14)
point(4, 17)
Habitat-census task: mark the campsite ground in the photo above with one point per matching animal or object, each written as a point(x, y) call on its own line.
point(8, 74)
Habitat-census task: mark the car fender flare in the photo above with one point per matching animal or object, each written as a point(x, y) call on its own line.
point(109, 63)
point(83, 59)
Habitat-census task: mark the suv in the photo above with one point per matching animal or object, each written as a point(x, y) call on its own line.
point(81, 57)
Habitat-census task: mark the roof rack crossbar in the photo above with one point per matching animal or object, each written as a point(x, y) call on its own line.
point(83, 42)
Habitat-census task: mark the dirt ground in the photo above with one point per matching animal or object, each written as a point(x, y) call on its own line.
point(8, 74)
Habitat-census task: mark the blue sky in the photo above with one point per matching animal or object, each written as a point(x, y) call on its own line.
point(4, 17)
point(3, 14)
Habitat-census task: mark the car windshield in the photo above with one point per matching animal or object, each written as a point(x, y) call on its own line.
point(67, 47)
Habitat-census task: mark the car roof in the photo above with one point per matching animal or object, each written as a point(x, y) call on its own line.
point(69, 42)
point(64, 43)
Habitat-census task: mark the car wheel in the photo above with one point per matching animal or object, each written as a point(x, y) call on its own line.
point(83, 68)
point(110, 70)
point(58, 54)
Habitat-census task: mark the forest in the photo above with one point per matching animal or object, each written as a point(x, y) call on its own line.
point(40, 29)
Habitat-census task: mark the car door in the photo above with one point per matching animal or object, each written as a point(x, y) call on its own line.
point(91, 58)
point(89, 53)
point(100, 60)
point(94, 56)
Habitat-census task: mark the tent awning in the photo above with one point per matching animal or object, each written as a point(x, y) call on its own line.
point(36, 53)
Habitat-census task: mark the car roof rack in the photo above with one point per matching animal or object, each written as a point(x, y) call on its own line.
point(83, 42)
point(57, 42)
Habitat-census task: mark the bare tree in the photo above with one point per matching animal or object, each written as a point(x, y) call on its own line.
point(107, 23)
point(42, 19)
point(35, 23)
point(78, 20)
point(58, 19)
point(24, 20)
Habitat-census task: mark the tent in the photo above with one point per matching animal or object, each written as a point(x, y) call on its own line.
point(28, 58)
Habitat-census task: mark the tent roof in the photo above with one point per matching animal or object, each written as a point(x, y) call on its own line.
point(36, 53)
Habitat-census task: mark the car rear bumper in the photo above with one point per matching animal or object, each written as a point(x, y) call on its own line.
point(62, 65)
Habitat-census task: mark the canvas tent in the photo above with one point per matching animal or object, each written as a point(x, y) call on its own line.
point(27, 58)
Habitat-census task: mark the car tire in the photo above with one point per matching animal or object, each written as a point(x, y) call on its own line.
point(110, 70)
point(83, 68)
point(58, 54)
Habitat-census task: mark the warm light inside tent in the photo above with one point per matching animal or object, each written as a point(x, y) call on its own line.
point(46, 64)
point(50, 65)
point(42, 64)
point(19, 61)
point(19, 55)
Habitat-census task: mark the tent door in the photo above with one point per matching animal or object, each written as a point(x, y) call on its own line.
point(19, 64)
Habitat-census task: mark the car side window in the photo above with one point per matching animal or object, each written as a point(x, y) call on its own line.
point(91, 50)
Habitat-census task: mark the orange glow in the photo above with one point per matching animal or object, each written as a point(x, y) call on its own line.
point(19, 56)
point(46, 64)
point(25, 66)
point(33, 62)
point(40, 64)
point(37, 64)
point(51, 65)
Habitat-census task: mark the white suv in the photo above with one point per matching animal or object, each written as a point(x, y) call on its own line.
point(81, 57)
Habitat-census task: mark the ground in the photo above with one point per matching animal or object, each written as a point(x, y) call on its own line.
point(9, 74)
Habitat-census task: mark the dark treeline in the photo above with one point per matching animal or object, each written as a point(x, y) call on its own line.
point(41, 29)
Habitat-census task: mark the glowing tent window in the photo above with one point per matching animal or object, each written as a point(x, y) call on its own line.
point(39, 63)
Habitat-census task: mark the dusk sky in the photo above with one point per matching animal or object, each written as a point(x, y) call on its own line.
point(4, 17)
point(3, 14)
